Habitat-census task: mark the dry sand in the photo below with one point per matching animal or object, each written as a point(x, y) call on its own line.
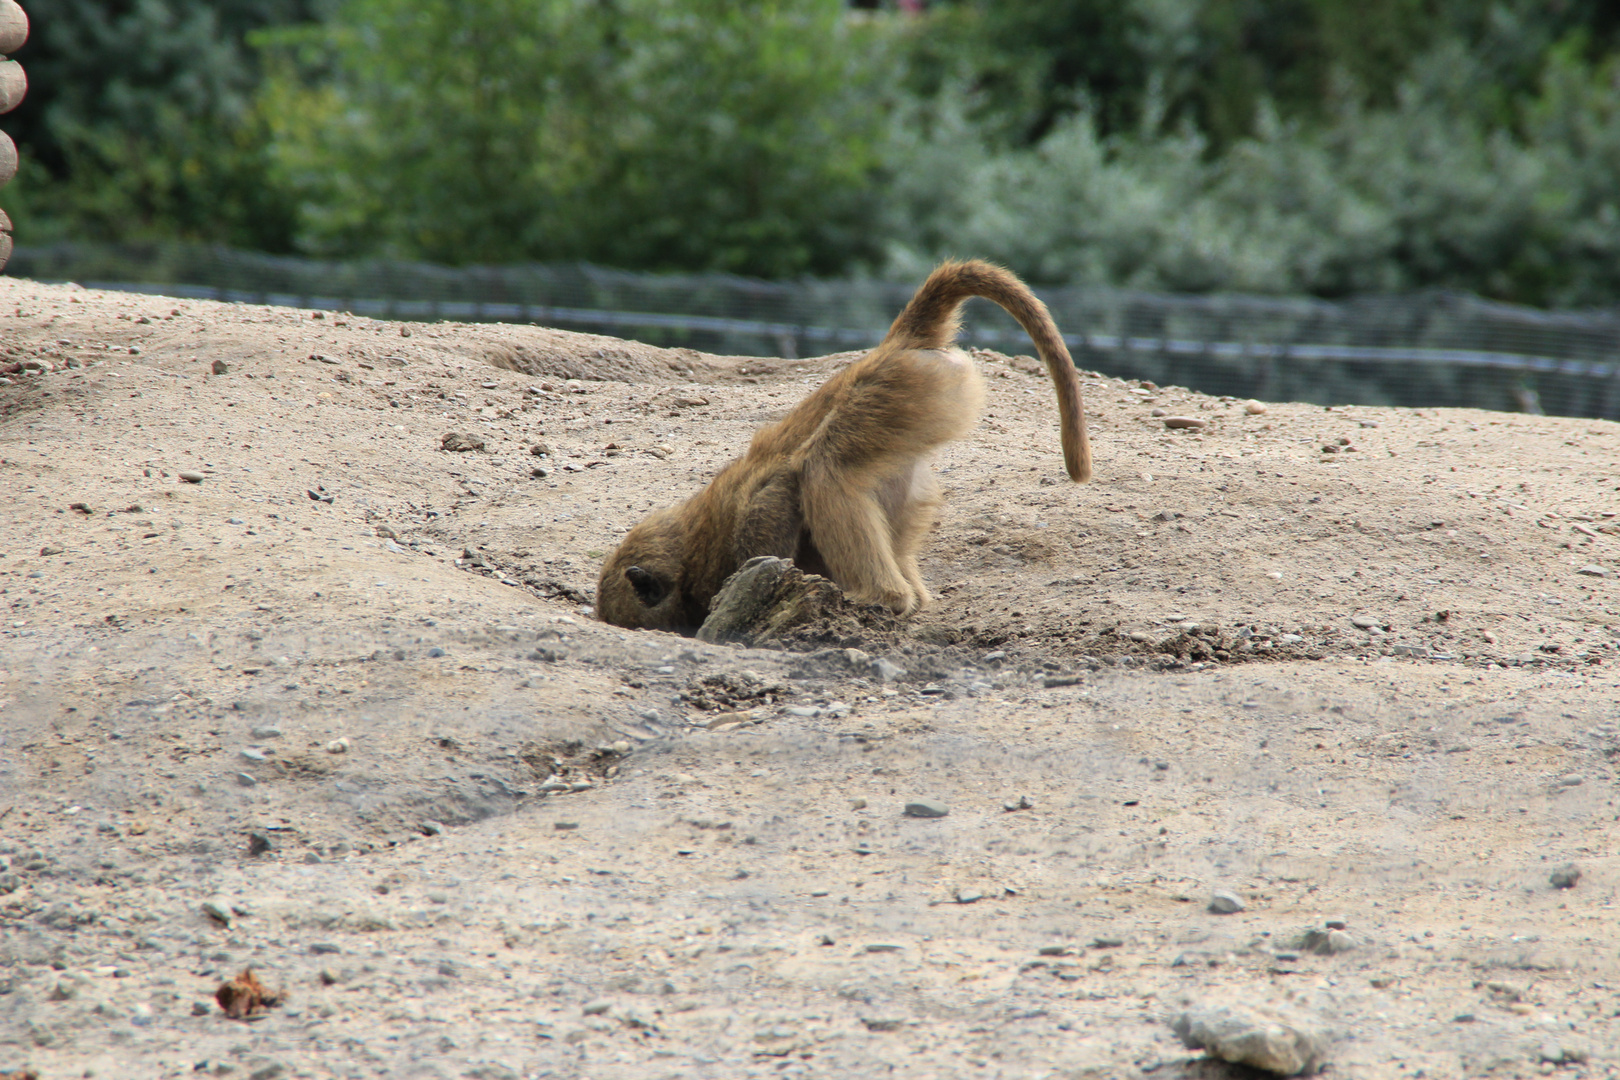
point(377, 749)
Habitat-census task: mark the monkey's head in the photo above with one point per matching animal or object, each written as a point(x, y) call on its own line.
point(642, 584)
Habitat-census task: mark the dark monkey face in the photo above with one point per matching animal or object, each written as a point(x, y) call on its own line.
point(640, 585)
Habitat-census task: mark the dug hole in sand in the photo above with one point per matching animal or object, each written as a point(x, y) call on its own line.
point(286, 686)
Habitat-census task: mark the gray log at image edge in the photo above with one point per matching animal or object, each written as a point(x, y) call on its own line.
point(13, 85)
point(13, 88)
point(13, 27)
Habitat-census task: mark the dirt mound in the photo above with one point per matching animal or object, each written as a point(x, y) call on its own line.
point(273, 654)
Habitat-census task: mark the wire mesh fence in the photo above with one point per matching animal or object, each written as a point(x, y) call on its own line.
point(1423, 349)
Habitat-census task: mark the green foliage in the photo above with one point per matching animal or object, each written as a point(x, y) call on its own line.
point(1285, 146)
point(1146, 66)
point(1423, 194)
point(140, 122)
point(706, 134)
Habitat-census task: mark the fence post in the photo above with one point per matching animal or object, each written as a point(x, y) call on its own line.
point(13, 87)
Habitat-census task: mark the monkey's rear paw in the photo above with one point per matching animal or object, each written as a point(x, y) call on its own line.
point(898, 602)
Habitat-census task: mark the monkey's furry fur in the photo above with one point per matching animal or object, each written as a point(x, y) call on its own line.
point(841, 485)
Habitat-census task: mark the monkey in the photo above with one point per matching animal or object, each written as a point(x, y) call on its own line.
point(842, 484)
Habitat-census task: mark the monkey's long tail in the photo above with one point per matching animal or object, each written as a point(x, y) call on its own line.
point(933, 317)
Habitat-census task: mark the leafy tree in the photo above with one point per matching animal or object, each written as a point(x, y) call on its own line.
point(700, 134)
point(139, 122)
point(1153, 65)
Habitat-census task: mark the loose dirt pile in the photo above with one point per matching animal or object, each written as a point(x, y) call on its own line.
point(287, 687)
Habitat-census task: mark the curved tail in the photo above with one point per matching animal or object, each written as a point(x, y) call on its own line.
point(933, 317)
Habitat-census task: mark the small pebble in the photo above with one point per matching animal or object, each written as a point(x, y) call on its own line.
point(1283, 1042)
point(970, 896)
point(436, 652)
point(1023, 802)
point(1159, 412)
point(246, 779)
point(217, 910)
point(250, 754)
point(1594, 570)
point(1364, 622)
point(596, 1008)
point(857, 804)
point(220, 367)
point(1330, 943)
point(1565, 877)
point(926, 808)
point(431, 828)
point(1255, 408)
point(1222, 902)
point(1190, 422)
point(1107, 942)
point(191, 477)
point(267, 731)
point(338, 746)
point(886, 671)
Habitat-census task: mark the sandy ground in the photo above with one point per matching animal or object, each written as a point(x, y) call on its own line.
point(337, 710)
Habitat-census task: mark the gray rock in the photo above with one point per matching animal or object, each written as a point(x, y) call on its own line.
point(267, 731)
point(1222, 902)
point(250, 754)
point(220, 367)
point(460, 442)
point(191, 477)
point(926, 808)
point(1558, 1054)
point(1278, 1041)
point(1594, 570)
point(1565, 877)
point(1364, 622)
point(885, 671)
point(765, 599)
point(247, 779)
point(218, 910)
point(1329, 942)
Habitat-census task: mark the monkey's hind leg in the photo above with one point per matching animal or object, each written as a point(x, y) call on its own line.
point(852, 532)
point(912, 502)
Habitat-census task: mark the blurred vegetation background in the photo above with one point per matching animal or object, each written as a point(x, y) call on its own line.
point(1325, 147)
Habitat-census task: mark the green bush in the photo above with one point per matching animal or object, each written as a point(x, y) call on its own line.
point(706, 134)
point(140, 123)
point(1426, 193)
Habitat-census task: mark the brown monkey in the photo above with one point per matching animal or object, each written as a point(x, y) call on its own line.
point(841, 485)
